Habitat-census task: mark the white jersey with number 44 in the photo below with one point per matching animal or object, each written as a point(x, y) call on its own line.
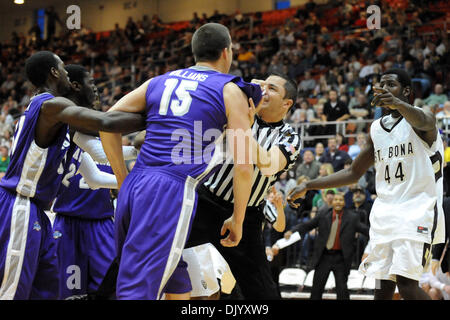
point(409, 184)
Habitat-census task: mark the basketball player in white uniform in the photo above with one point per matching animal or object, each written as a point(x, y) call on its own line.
point(407, 216)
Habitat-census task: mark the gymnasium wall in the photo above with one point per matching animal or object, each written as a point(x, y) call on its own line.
point(101, 15)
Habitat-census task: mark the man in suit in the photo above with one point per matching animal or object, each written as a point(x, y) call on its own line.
point(334, 245)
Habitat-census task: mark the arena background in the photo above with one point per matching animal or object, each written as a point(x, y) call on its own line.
point(322, 44)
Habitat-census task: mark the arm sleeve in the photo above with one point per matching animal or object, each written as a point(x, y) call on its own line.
point(290, 145)
point(93, 146)
point(252, 90)
point(93, 176)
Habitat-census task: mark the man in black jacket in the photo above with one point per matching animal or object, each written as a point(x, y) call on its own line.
point(334, 246)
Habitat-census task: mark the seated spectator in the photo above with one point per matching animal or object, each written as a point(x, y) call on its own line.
point(284, 183)
point(362, 206)
point(6, 137)
point(341, 142)
point(306, 108)
point(443, 116)
point(245, 54)
point(319, 151)
point(438, 97)
point(409, 68)
point(439, 285)
point(334, 110)
point(308, 84)
point(321, 196)
point(323, 199)
point(320, 128)
point(321, 87)
point(295, 67)
point(361, 111)
point(309, 167)
point(4, 158)
point(356, 148)
point(334, 156)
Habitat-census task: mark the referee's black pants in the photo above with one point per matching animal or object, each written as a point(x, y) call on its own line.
point(247, 261)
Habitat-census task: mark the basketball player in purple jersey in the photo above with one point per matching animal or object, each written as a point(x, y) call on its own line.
point(28, 266)
point(158, 198)
point(84, 224)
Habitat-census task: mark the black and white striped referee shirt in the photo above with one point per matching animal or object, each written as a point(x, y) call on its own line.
point(278, 134)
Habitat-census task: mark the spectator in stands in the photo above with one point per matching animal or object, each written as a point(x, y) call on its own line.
point(409, 68)
point(361, 111)
point(436, 98)
point(4, 158)
point(308, 240)
point(443, 116)
point(10, 103)
point(306, 109)
point(295, 67)
point(9, 84)
point(309, 167)
point(284, 183)
point(319, 151)
point(276, 66)
point(361, 205)
point(245, 54)
point(324, 197)
point(307, 85)
point(341, 142)
point(355, 148)
point(334, 156)
point(368, 69)
point(321, 87)
point(439, 285)
point(334, 110)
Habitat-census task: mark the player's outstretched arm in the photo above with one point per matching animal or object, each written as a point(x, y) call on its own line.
point(132, 103)
point(238, 137)
point(94, 177)
point(62, 110)
point(344, 177)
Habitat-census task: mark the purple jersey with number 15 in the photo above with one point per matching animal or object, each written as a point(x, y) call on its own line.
point(186, 118)
point(185, 115)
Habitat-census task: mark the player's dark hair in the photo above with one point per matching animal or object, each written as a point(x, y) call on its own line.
point(208, 42)
point(76, 73)
point(38, 66)
point(402, 76)
point(290, 86)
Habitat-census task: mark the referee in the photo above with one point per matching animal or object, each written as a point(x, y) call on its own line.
point(278, 150)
